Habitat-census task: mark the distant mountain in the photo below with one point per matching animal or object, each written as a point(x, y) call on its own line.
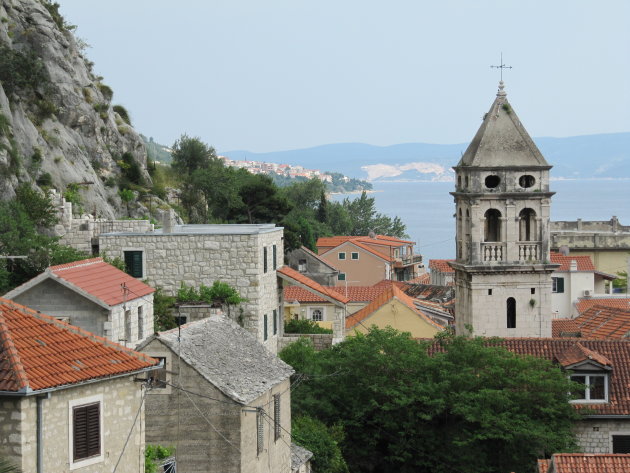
point(588, 156)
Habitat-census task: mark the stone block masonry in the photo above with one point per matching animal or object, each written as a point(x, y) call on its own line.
point(321, 341)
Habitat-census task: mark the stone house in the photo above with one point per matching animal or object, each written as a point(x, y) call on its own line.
point(69, 399)
point(441, 273)
point(575, 278)
point(244, 256)
point(393, 308)
point(222, 400)
point(366, 260)
point(602, 366)
point(311, 265)
point(606, 242)
point(95, 296)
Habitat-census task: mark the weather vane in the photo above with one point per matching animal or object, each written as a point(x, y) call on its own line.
point(502, 66)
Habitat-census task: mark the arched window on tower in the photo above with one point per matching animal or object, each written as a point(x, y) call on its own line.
point(527, 225)
point(511, 312)
point(492, 225)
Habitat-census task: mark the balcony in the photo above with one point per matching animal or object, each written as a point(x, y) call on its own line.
point(493, 252)
point(411, 259)
point(529, 251)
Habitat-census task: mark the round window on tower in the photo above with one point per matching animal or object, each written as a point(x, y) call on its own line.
point(526, 181)
point(492, 181)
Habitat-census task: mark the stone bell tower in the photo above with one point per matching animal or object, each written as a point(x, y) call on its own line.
point(502, 204)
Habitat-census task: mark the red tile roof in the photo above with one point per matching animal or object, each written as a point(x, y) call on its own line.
point(39, 352)
point(441, 265)
point(563, 326)
point(383, 298)
point(578, 353)
point(543, 466)
point(603, 322)
point(101, 280)
point(584, 304)
point(584, 262)
point(297, 293)
point(378, 239)
point(587, 463)
point(298, 278)
point(422, 279)
point(616, 351)
point(354, 293)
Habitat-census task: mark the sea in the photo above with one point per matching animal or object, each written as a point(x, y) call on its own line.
point(427, 208)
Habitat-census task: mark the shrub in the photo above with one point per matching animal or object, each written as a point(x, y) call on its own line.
point(106, 90)
point(21, 71)
point(304, 326)
point(44, 180)
point(130, 169)
point(153, 453)
point(122, 111)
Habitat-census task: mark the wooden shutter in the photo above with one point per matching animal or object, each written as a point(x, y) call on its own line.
point(276, 416)
point(86, 431)
point(133, 263)
point(560, 285)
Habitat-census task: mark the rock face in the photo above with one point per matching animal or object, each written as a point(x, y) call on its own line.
point(57, 124)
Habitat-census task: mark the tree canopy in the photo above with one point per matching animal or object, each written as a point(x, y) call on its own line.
point(471, 406)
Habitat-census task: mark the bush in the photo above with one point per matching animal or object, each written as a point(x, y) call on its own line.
point(21, 71)
point(323, 442)
point(131, 171)
point(106, 90)
point(304, 326)
point(153, 453)
point(122, 111)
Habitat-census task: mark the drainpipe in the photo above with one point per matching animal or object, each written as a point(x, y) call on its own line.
point(40, 431)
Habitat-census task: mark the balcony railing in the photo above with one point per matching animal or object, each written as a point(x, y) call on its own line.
point(493, 252)
point(529, 251)
point(411, 259)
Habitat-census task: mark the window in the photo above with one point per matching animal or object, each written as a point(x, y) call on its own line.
point(341, 276)
point(511, 312)
point(492, 225)
point(133, 263)
point(275, 257)
point(265, 259)
point(317, 314)
point(342, 255)
point(557, 285)
point(527, 225)
point(526, 181)
point(140, 323)
point(595, 387)
point(621, 443)
point(276, 417)
point(301, 265)
point(86, 431)
point(265, 334)
point(492, 181)
point(260, 431)
point(489, 292)
point(157, 378)
point(354, 255)
point(533, 290)
point(275, 321)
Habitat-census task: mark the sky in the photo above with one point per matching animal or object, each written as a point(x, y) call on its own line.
point(287, 74)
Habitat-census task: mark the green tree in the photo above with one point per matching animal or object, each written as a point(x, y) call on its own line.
point(190, 154)
point(322, 441)
point(260, 201)
point(364, 218)
point(404, 410)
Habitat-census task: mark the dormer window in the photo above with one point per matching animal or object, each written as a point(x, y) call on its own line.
point(595, 387)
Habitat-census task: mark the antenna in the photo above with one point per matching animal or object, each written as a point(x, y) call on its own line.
point(501, 67)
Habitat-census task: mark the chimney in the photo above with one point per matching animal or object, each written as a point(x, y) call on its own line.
point(573, 265)
point(564, 250)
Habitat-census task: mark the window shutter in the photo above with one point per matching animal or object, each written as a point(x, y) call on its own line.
point(275, 257)
point(560, 285)
point(260, 434)
point(275, 321)
point(276, 416)
point(86, 431)
point(133, 263)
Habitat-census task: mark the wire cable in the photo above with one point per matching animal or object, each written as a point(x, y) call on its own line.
point(130, 430)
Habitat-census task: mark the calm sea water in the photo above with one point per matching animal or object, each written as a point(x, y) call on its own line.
point(427, 208)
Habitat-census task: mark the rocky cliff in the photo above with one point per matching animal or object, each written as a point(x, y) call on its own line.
point(58, 126)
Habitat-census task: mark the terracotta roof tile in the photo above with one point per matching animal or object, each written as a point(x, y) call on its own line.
point(563, 326)
point(616, 351)
point(299, 278)
point(441, 265)
point(543, 466)
point(333, 241)
point(584, 304)
point(577, 353)
point(422, 279)
point(601, 322)
point(383, 298)
point(297, 293)
point(39, 352)
point(584, 262)
point(588, 463)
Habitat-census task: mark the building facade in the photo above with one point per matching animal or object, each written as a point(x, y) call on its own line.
point(502, 203)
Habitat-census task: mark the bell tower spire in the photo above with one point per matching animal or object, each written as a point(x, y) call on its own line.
point(502, 206)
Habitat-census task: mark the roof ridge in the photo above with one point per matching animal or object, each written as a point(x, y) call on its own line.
point(13, 358)
point(76, 264)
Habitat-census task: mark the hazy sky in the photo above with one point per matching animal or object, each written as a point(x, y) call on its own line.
point(283, 74)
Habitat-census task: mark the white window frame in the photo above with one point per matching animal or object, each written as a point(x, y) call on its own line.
point(615, 433)
point(341, 277)
point(98, 398)
point(352, 253)
point(341, 258)
point(587, 390)
point(144, 258)
point(311, 310)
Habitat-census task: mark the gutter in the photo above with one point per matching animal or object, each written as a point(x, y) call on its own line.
point(40, 431)
point(608, 416)
point(29, 392)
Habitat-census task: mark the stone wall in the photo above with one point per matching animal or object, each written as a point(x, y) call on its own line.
point(202, 258)
point(200, 311)
point(595, 435)
point(321, 341)
point(120, 401)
